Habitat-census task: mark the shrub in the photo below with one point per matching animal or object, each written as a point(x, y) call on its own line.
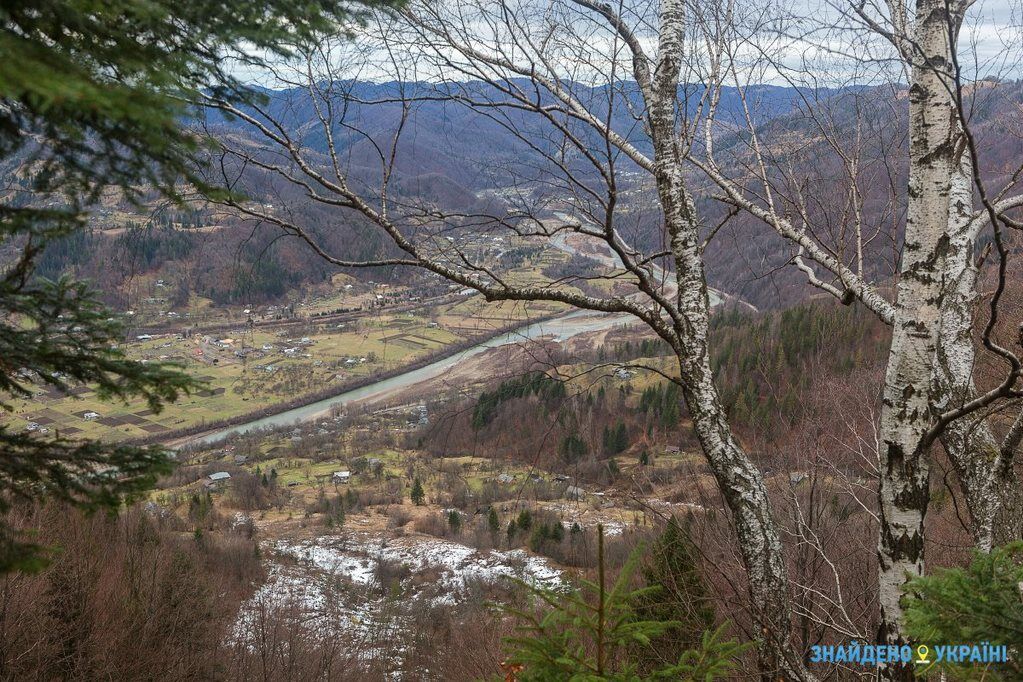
point(593, 634)
point(979, 603)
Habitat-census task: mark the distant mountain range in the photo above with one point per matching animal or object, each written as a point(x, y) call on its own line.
point(475, 149)
point(460, 159)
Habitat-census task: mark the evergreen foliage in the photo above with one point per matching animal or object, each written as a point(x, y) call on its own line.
point(455, 521)
point(418, 495)
point(545, 534)
point(573, 448)
point(680, 597)
point(92, 98)
point(760, 362)
point(525, 520)
point(971, 605)
point(615, 438)
point(663, 401)
point(595, 634)
point(550, 391)
point(333, 511)
point(493, 522)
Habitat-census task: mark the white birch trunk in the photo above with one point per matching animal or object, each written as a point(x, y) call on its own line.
point(738, 478)
point(991, 498)
point(970, 443)
point(906, 412)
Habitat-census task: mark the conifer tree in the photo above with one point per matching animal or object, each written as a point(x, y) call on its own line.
point(455, 521)
point(525, 521)
point(513, 530)
point(680, 596)
point(418, 496)
point(595, 633)
point(92, 101)
point(969, 606)
point(493, 522)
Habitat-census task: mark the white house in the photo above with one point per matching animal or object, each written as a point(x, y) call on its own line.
point(90, 416)
point(219, 476)
point(342, 476)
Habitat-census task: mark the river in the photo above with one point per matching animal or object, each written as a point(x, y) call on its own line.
point(561, 327)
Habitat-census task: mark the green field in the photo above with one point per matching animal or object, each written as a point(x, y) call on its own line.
point(266, 375)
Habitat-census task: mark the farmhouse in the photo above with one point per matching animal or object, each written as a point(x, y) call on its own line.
point(342, 476)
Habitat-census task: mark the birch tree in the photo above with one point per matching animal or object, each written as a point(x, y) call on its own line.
point(930, 393)
point(593, 100)
point(593, 95)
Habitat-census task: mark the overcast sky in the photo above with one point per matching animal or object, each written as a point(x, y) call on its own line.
point(991, 43)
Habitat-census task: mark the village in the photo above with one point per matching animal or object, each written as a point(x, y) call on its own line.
point(254, 361)
point(356, 508)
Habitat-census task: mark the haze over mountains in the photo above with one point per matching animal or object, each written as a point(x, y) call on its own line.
point(464, 159)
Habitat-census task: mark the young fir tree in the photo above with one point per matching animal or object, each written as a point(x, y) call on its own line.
point(979, 603)
point(525, 520)
point(572, 448)
point(680, 596)
point(92, 100)
point(493, 523)
point(335, 513)
point(418, 496)
point(615, 439)
point(593, 635)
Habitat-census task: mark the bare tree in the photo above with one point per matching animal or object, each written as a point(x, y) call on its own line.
point(592, 99)
point(930, 391)
point(505, 63)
